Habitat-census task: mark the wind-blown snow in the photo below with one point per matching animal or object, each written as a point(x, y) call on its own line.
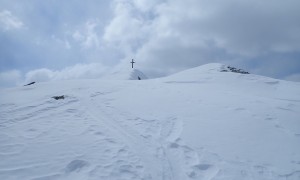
point(197, 124)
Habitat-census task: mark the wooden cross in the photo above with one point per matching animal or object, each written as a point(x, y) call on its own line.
point(132, 63)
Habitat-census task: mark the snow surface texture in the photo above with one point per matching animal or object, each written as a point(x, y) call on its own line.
point(122, 73)
point(198, 124)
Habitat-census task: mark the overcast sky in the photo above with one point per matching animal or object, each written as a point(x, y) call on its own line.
point(59, 39)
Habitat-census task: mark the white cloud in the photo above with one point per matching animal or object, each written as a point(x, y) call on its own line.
point(78, 71)
point(146, 5)
point(129, 28)
point(180, 34)
point(39, 75)
point(63, 43)
point(78, 36)
point(8, 21)
point(10, 78)
point(293, 77)
point(87, 35)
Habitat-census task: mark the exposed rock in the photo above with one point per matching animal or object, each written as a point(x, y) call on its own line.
point(235, 70)
point(29, 84)
point(58, 97)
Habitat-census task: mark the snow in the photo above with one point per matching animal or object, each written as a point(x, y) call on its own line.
point(197, 124)
point(122, 73)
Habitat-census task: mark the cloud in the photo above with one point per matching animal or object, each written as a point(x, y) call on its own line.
point(39, 75)
point(52, 35)
point(293, 77)
point(174, 35)
point(9, 22)
point(88, 36)
point(10, 78)
point(129, 29)
point(78, 71)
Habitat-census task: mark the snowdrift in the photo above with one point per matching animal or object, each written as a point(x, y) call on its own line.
point(202, 123)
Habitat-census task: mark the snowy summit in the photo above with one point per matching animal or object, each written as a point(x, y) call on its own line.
point(213, 122)
point(124, 73)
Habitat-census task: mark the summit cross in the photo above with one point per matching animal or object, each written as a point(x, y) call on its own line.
point(132, 63)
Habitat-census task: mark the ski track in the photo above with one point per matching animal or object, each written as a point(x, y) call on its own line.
point(33, 110)
point(136, 143)
point(163, 137)
point(145, 136)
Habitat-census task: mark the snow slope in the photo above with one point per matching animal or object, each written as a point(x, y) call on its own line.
point(124, 73)
point(197, 124)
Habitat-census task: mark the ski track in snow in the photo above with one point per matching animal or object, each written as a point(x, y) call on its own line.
point(159, 136)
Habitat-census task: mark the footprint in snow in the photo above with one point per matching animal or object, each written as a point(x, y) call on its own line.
point(76, 165)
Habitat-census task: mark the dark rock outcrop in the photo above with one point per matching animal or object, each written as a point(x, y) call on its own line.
point(235, 70)
point(58, 97)
point(29, 84)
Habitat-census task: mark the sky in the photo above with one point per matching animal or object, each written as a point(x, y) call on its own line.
point(55, 39)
